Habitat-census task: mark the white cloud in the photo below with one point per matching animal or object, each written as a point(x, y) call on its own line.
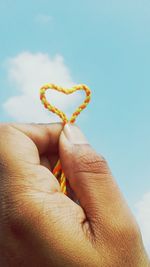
point(43, 19)
point(143, 218)
point(27, 72)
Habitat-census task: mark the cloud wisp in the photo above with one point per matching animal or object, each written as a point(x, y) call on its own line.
point(27, 72)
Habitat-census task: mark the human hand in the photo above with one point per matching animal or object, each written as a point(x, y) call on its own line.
point(40, 226)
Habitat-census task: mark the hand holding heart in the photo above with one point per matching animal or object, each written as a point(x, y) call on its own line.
point(42, 227)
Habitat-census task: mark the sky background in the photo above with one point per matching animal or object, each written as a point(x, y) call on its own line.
point(104, 44)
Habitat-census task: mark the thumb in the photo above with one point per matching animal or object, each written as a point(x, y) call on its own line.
point(90, 178)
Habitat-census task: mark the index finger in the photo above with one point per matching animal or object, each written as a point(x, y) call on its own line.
point(44, 136)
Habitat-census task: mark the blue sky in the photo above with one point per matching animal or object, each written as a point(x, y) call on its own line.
point(106, 45)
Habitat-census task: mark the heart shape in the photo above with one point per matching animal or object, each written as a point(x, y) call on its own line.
point(58, 172)
point(66, 91)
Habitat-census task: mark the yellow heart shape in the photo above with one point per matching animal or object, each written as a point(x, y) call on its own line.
point(66, 91)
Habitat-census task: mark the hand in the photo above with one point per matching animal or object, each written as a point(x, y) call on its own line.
point(40, 226)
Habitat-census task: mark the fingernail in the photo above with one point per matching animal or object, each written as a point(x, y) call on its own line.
point(74, 134)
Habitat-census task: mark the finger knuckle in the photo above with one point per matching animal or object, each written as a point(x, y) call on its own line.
point(90, 161)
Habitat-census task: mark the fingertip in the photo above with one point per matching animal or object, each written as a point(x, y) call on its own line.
point(74, 135)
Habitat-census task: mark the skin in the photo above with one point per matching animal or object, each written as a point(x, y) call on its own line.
point(39, 225)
